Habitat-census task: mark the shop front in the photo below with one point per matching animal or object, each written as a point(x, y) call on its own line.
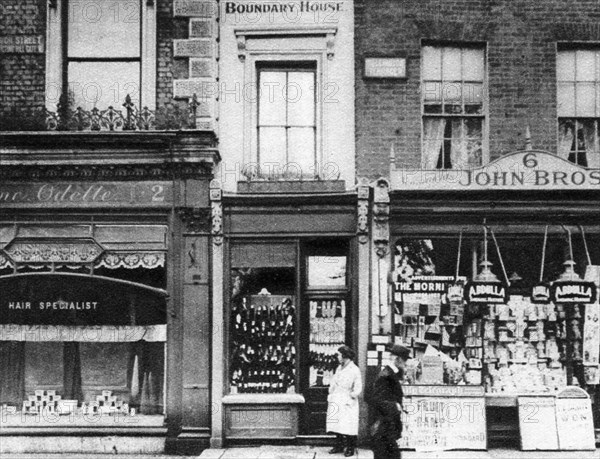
point(290, 301)
point(104, 276)
point(493, 285)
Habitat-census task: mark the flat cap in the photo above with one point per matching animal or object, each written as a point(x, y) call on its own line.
point(399, 350)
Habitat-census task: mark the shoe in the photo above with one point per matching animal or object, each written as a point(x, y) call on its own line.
point(349, 451)
point(336, 450)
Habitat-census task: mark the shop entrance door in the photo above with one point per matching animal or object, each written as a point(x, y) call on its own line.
point(326, 313)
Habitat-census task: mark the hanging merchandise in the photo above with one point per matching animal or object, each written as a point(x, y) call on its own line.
point(264, 332)
point(540, 293)
point(327, 334)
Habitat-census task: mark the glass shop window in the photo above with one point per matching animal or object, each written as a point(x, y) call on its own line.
point(263, 330)
point(515, 345)
point(95, 347)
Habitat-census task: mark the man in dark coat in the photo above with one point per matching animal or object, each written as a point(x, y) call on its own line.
point(385, 400)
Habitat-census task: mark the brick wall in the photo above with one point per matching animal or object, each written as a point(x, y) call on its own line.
point(22, 75)
point(521, 41)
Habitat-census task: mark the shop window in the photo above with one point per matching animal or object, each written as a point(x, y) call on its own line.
point(286, 122)
point(511, 347)
point(263, 330)
point(99, 52)
point(453, 106)
point(578, 105)
point(91, 343)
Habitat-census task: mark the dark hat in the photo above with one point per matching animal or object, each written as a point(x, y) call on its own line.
point(399, 350)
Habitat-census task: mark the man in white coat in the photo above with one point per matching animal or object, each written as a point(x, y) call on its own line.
point(342, 406)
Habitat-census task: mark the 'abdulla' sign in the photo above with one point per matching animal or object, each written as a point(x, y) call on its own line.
point(573, 292)
point(486, 292)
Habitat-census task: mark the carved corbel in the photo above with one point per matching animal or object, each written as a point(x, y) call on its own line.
point(195, 219)
point(241, 46)
point(362, 223)
point(216, 206)
point(381, 217)
point(330, 45)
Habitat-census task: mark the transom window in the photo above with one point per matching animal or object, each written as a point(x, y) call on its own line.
point(578, 83)
point(453, 106)
point(286, 128)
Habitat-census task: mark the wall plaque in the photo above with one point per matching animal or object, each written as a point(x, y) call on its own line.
point(385, 67)
point(22, 44)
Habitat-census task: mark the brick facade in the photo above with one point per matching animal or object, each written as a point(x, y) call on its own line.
point(520, 39)
point(22, 75)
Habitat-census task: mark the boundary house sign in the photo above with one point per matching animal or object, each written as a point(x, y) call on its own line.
point(522, 170)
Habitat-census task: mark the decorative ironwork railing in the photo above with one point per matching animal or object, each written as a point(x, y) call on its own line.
point(131, 118)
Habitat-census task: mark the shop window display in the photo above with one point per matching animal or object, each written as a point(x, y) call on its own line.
point(511, 347)
point(72, 358)
point(263, 331)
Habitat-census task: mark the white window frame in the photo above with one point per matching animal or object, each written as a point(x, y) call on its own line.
point(485, 155)
point(293, 50)
point(56, 49)
point(578, 121)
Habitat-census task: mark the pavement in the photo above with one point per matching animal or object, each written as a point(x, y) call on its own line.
point(319, 452)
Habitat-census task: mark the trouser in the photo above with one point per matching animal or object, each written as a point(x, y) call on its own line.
point(385, 447)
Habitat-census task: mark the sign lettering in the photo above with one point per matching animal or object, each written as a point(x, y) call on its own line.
point(530, 170)
point(573, 292)
point(22, 44)
point(486, 292)
point(86, 193)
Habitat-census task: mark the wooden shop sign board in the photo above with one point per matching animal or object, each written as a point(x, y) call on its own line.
point(561, 422)
point(440, 422)
point(522, 170)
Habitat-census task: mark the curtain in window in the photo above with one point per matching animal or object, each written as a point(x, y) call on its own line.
point(459, 155)
point(591, 145)
point(565, 139)
point(433, 133)
point(72, 371)
point(12, 372)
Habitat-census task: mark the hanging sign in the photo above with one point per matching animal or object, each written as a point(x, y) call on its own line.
point(486, 292)
point(573, 292)
point(540, 294)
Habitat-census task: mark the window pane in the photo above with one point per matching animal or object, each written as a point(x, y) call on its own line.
point(104, 28)
point(451, 64)
point(432, 60)
point(566, 99)
point(102, 84)
point(473, 64)
point(565, 66)
point(586, 65)
point(272, 144)
point(586, 99)
point(301, 146)
point(473, 98)
point(432, 91)
point(272, 99)
point(301, 98)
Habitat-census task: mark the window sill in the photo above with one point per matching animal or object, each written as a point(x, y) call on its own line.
point(290, 186)
point(263, 399)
